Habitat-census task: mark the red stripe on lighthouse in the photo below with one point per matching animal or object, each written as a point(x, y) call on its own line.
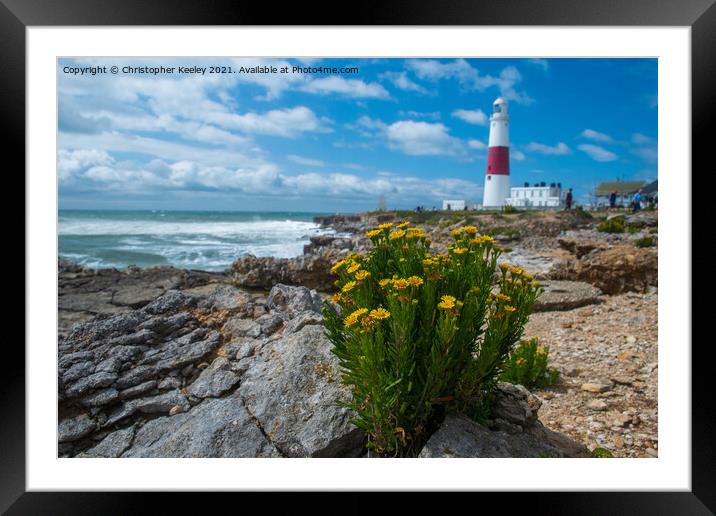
point(498, 161)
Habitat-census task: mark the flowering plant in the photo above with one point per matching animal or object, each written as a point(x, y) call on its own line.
point(527, 365)
point(418, 333)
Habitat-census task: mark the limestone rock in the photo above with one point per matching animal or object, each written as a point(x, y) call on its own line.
point(161, 403)
point(113, 445)
point(515, 404)
point(291, 301)
point(459, 436)
point(214, 380)
point(301, 415)
point(565, 295)
point(75, 428)
point(218, 427)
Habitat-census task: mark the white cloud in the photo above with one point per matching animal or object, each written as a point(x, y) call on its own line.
point(641, 139)
point(305, 161)
point(102, 173)
point(431, 115)
point(518, 155)
point(287, 122)
point(542, 63)
point(647, 147)
point(70, 162)
point(476, 144)
point(597, 153)
point(590, 134)
point(354, 88)
point(401, 81)
point(561, 149)
point(422, 139)
point(648, 154)
point(470, 78)
point(476, 116)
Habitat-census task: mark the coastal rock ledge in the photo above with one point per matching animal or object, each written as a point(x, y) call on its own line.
point(218, 372)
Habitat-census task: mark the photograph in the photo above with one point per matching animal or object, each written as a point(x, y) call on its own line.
point(357, 257)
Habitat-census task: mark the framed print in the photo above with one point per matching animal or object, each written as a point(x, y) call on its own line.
point(406, 254)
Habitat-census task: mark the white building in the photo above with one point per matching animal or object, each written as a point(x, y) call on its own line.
point(454, 205)
point(538, 196)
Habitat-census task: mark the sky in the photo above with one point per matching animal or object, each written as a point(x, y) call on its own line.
point(333, 135)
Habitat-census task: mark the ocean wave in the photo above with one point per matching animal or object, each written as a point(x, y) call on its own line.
point(202, 244)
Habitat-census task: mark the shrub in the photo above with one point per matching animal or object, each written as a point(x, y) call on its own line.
point(527, 365)
point(581, 212)
point(615, 225)
point(418, 334)
point(601, 453)
point(647, 241)
point(510, 209)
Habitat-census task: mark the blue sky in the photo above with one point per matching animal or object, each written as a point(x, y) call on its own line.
point(412, 130)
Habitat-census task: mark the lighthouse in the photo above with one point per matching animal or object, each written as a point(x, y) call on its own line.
point(497, 178)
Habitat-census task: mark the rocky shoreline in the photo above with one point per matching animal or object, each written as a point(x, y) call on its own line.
point(166, 362)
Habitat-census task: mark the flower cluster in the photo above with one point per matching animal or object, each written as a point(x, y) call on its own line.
point(413, 328)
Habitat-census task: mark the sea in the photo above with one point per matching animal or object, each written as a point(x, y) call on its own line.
point(204, 240)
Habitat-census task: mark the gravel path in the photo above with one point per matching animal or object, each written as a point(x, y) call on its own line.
point(607, 358)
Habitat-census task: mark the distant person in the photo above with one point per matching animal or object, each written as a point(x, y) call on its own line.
point(636, 202)
point(613, 200)
point(568, 200)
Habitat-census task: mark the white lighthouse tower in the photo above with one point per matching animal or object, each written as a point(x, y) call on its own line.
point(497, 178)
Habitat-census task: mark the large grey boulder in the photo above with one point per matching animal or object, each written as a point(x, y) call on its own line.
point(459, 436)
point(219, 427)
point(291, 390)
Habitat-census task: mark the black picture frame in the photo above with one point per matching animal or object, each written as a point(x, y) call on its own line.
point(700, 15)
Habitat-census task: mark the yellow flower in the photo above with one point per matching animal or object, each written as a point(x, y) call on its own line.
point(456, 232)
point(373, 233)
point(401, 283)
point(536, 284)
point(503, 297)
point(338, 265)
point(384, 282)
point(541, 351)
point(516, 271)
point(387, 225)
point(482, 239)
point(348, 286)
point(403, 225)
point(460, 250)
point(361, 275)
point(521, 361)
point(446, 302)
point(428, 262)
point(336, 297)
point(379, 314)
point(397, 234)
point(509, 308)
point(415, 281)
point(527, 276)
point(355, 316)
point(470, 230)
point(353, 268)
point(504, 266)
